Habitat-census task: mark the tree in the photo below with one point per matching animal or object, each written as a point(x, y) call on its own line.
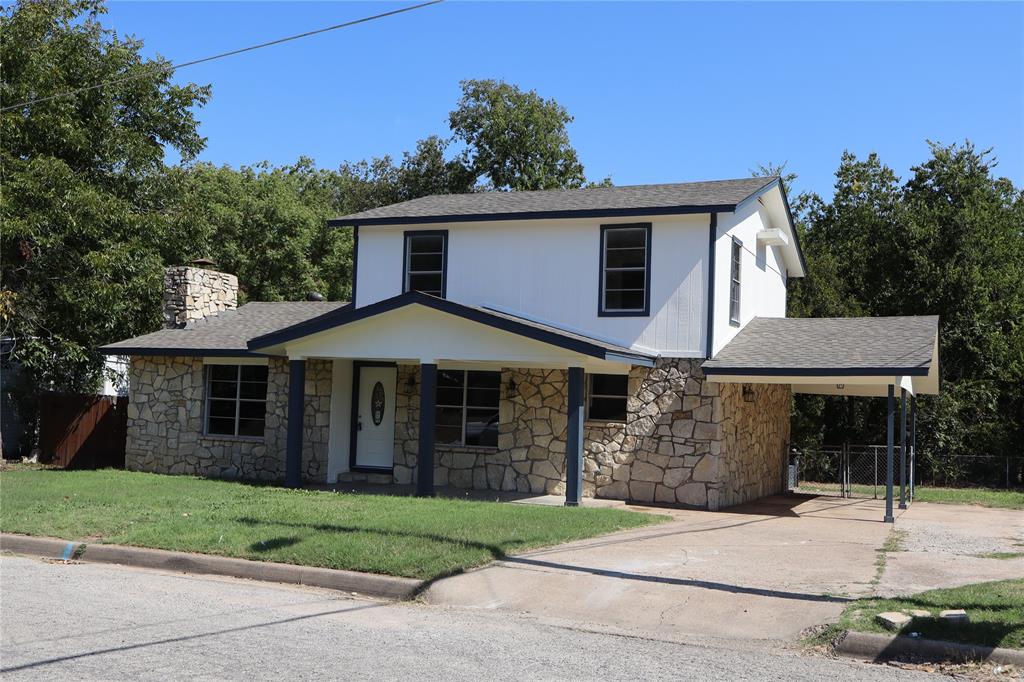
point(515, 140)
point(946, 242)
point(82, 242)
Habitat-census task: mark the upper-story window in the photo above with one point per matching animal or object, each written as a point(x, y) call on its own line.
point(734, 282)
point(426, 262)
point(625, 269)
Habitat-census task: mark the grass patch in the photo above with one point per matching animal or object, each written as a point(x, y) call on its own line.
point(404, 536)
point(985, 497)
point(996, 610)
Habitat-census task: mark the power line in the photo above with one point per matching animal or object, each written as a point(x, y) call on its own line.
point(175, 67)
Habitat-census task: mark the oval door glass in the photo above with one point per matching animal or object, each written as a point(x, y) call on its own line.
point(377, 403)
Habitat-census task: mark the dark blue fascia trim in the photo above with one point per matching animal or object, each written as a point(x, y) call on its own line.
point(646, 312)
point(532, 215)
point(347, 315)
point(712, 240)
point(444, 255)
point(355, 262)
point(817, 371)
point(187, 352)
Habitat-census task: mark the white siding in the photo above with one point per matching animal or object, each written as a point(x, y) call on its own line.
point(549, 270)
point(762, 273)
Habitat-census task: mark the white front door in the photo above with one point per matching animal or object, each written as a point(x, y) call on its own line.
point(375, 417)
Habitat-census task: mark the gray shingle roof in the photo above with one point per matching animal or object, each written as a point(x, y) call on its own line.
point(830, 346)
point(719, 195)
point(228, 331)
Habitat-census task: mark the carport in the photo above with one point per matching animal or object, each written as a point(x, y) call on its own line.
point(859, 356)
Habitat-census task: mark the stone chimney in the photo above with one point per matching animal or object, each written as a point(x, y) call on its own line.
point(191, 293)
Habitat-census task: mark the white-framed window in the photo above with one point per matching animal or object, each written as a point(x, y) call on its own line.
point(467, 407)
point(425, 262)
point(236, 400)
point(734, 281)
point(625, 270)
point(606, 397)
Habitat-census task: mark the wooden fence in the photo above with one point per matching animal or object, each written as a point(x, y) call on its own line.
point(83, 431)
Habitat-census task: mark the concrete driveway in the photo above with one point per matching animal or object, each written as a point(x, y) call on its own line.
point(765, 570)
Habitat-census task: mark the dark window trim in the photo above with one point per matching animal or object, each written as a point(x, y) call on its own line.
point(465, 408)
point(601, 312)
point(736, 247)
point(353, 434)
point(444, 256)
point(238, 399)
point(589, 393)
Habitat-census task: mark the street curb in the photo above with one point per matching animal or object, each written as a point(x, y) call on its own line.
point(865, 645)
point(369, 584)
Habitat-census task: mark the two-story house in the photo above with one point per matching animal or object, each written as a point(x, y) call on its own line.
point(540, 342)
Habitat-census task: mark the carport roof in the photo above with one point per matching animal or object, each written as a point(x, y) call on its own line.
point(830, 346)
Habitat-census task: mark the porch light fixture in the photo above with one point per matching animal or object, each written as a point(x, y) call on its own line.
point(410, 383)
point(748, 393)
point(840, 386)
point(511, 388)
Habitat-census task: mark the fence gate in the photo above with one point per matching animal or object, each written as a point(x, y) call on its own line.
point(846, 470)
point(83, 431)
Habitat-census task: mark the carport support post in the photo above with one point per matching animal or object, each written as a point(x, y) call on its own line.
point(574, 440)
point(296, 409)
point(888, 457)
point(425, 459)
point(903, 448)
point(913, 443)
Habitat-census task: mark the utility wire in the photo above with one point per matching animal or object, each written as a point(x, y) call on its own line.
point(175, 67)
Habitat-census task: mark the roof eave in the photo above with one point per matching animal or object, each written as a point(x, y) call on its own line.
point(180, 352)
point(347, 221)
point(921, 370)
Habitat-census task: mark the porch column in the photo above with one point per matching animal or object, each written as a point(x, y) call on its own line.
point(903, 448)
point(296, 399)
point(913, 444)
point(888, 456)
point(574, 440)
point(425, 459)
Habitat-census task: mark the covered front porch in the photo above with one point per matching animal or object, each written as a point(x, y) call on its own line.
point(429, 392)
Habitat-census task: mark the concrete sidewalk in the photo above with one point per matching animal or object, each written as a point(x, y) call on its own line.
point(766, 570)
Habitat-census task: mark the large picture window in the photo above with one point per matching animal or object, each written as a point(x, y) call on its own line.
point(425, 261)
point(236, 400)
point(606, 397)
point(467, 407)
point(625, 269)
point(734, 282)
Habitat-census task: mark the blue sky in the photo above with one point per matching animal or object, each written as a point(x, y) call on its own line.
point(661, 92)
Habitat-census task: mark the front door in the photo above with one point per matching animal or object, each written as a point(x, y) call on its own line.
point(375, 418)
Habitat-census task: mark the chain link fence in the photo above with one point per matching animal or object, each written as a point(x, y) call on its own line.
point(860, 470)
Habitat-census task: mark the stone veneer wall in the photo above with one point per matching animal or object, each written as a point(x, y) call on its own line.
point(190, 294)
point(685, 440)
point(165, 423)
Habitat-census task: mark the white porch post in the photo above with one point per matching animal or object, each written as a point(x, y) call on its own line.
point(889, 455)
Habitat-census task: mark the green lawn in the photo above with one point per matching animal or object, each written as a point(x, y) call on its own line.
point(996, 611)
point(985, 497)
point(405, 536)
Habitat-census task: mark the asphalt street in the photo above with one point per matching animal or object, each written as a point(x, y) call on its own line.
point(92, 621)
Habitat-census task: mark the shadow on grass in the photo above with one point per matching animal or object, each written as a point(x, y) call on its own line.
point(499, 553)
point(272, 544)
